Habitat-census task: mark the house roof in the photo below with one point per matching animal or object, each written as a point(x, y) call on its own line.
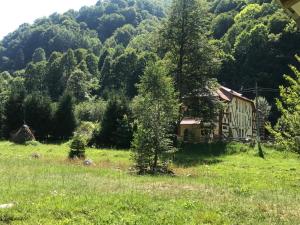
point(190, 121)
point(227, 94)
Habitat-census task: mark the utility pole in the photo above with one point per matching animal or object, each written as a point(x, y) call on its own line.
point(260, 151)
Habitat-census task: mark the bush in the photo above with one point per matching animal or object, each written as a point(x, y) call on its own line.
point(91, 111)
point(85, 130)
point(77, 148)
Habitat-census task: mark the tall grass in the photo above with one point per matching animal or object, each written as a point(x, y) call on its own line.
point(209, 187)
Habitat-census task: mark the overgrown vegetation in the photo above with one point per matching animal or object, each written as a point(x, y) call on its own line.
point(287, 129)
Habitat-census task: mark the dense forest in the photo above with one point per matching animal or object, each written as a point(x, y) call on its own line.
point(86, 64)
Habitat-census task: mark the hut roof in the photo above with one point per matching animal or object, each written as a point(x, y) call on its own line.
point(23, 135)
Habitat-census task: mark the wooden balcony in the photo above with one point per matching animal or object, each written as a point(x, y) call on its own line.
point(293, 8)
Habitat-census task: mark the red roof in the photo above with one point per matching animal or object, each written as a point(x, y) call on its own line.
point(190, 121)
point(227, 94)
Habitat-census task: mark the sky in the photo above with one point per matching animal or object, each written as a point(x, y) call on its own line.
point(16, 12)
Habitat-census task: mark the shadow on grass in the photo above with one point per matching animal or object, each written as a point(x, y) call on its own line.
point(199, 154)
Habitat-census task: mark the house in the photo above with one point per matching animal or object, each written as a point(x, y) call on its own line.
point(292, 7)
point(235, 121)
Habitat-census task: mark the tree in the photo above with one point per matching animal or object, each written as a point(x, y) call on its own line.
point(155, 111)
point(264, 110)
point(13, 113)
point(108, 24)
point(68, 64)
point(54, 75)
point(92, 64)
point(77, 85)
point(116, 128)
point(194, 59)
point(35, 77)
point(221, 24)
point(38, 115)
point(64, 118)
point(5, 81)
point(39, 55)
point(20, 59)
point(287, 129)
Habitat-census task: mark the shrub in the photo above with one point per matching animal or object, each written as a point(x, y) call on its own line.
point(77, 148)
point(85, 130)
point(91, 111)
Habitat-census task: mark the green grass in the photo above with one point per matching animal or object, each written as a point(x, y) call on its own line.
point(210, 188)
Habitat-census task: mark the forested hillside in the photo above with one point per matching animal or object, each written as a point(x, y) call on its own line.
point(104, 49)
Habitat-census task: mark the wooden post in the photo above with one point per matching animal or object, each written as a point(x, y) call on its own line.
point(260, 151)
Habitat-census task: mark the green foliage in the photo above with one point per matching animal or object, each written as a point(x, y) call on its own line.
point(54, 75)
point(115, 127)
point(92, 110)
point(39, 55)
point(77, 148)
point(263, 107)
point(124, 71)
point(252, 39)
point(77, 85)
point(85, 130)
point(221, 24)
point(64, 118)
point(287, 129)
point(251, 11)
point(68, 63)
point(194, 60)
point(35, 77)
point(13, 113)
point(156, 110)
point(38, 115)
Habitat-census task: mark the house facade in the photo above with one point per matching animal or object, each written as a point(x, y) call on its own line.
point(292, 7)
point(235, 121)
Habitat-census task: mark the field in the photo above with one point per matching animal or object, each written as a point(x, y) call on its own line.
point(237, 188)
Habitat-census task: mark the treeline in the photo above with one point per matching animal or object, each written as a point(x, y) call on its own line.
point(93, 59)
point(258, 41)
point(88, 28)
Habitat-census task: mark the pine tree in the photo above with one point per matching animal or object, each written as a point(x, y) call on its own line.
point(155, 110)
point(194, 59)
point(116, 127)
point(64, 118)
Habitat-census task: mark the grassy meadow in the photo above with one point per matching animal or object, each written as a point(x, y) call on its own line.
point(236, 188)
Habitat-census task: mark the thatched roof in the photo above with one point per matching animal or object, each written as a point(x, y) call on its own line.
point(23, 135)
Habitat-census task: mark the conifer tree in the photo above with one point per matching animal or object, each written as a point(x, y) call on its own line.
point(194, 59)
point(116, 130)
point(155, 110)
point(64, 118)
